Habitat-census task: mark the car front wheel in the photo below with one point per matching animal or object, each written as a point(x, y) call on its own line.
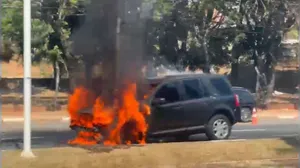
point(218, 128)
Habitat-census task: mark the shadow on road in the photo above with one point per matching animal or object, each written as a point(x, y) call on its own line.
point(292, 141)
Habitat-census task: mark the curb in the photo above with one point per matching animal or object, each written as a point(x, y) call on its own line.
point(287, 117)
point(279, 117)
point(21, 119)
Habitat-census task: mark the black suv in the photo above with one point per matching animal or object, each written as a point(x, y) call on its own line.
point(188, 104)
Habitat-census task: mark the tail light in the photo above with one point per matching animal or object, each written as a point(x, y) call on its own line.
point(236, 100)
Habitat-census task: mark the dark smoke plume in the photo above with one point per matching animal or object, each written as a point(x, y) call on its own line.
point(112, 35)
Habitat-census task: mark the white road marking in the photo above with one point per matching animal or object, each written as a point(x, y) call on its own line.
point(249, 130)
point(65, 119)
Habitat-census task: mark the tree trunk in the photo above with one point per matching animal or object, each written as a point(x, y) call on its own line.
point(207, 58)
point(234, 74)
point(270, 88)
point(270, 77)
point(257, 86)
point(57, 80)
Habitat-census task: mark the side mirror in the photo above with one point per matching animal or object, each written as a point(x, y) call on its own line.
point(158, 101)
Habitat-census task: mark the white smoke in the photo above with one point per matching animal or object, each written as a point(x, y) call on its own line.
point(164, 69)
point(167, 71)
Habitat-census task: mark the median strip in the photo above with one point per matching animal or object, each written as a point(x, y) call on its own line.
point(187, 154)
point(21, 119)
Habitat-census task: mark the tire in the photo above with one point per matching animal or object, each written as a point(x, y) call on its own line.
point(246, 114)
point(221, 134)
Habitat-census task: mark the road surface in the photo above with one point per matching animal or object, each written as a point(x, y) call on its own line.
point(57, 134)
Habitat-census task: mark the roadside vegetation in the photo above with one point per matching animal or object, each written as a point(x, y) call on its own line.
point(251, 153)
point(196, 34)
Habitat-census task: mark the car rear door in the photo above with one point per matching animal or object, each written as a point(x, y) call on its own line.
point(195, 102)
point(167, 116)
point(222, 94)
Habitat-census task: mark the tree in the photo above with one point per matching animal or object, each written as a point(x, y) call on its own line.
point(264, 24)
point(12, 29)
point(193, 33)
point(44, 46)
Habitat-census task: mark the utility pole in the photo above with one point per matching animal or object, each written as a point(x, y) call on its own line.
point(27, 153)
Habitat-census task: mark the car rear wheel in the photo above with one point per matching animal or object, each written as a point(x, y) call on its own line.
point(218, 127)
point(246, 114)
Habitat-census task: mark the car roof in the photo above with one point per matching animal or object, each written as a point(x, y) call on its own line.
point(239, 88)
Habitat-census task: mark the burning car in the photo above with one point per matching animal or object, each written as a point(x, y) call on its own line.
point(178, 105)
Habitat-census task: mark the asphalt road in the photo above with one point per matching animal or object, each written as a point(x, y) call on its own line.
point(57, 134)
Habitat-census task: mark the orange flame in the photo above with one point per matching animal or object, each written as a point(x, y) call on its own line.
point(81, 99)
point(125, 121)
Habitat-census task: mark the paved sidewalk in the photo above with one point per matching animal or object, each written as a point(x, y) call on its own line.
point(40, 116)
point(278, 113)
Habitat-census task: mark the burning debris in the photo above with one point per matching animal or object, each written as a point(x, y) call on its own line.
point(123, 123)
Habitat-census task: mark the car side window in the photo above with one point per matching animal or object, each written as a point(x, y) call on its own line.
point(169, 92)
point(192, 89)
point(222, 87)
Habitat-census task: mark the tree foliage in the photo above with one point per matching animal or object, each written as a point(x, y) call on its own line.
point(194, 33)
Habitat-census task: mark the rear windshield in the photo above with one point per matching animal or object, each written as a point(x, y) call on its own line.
point(221, 86)
point(244, 95)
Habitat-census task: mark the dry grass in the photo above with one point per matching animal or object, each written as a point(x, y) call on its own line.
point(171, 155)
point(288, 163)
point(42, 93)
point(14, 69)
